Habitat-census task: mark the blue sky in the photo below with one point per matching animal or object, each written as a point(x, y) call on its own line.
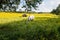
point(46, 6)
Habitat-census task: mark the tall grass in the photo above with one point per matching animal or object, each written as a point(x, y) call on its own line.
point(31, 30)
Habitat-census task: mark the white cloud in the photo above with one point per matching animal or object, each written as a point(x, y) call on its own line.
point(47, 5)
point(52, 3)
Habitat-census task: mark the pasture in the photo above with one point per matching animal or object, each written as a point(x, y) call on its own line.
point(6, 17)
point(15, 27)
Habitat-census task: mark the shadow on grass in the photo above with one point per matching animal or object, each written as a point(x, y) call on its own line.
point(31, 30)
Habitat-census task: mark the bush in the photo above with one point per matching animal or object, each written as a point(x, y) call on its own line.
point(56, 11)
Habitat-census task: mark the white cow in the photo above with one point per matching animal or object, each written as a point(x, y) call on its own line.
point(30, 18)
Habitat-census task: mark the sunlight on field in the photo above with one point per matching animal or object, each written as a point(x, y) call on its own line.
point(9, 17)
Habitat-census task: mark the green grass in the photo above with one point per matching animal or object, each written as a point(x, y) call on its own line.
point(6, 17)
point(38, 29)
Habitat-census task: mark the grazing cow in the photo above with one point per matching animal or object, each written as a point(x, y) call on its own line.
point(31, 18)
point(24, 15)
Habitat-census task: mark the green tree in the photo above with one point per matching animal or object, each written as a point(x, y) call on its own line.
point(31, 4)
point(57, 10)
point(11, 5)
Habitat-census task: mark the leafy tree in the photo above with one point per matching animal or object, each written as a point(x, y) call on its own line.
point(11, 5)
point(57, 10)
point(31, 4)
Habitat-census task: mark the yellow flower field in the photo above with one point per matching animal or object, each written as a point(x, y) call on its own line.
point(6, 17)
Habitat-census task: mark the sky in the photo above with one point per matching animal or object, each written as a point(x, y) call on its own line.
point(46, 6)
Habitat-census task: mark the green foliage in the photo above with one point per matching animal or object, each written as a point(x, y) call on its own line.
point(12, 5)
point(31, 30)
point(57, 10)
point(9, 5)
point(31, 3)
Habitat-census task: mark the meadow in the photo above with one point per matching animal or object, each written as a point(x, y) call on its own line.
point(45, 26)
point(6, 17)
